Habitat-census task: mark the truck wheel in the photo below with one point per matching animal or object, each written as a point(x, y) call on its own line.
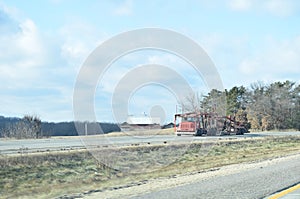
point(199, 132)
point(240, 132)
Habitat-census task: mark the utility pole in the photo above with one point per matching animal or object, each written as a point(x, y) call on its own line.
point(85, 128)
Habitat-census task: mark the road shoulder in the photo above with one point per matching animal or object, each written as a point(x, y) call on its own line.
point(179, 180)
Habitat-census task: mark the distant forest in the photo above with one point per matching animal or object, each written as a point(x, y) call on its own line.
point(266, 106)
point(47, 129)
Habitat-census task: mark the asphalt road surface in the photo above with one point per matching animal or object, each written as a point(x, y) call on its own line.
point(257, 182)
point(8, 146)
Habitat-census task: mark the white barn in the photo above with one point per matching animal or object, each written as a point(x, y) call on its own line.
point(144, 120)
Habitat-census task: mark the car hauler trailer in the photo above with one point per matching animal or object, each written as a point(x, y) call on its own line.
point(199, 124)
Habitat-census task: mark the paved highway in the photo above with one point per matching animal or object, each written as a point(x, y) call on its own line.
point(246, 180)
point(256, 182)
point(8, 146)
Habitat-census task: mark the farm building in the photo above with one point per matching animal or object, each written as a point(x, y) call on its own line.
point(141, 123)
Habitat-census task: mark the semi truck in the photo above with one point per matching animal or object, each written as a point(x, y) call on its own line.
point(198, 124)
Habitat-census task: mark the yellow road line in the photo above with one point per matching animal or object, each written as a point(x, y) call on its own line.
point(283, 193)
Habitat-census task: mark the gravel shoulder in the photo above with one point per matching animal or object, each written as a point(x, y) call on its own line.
point(157, 185)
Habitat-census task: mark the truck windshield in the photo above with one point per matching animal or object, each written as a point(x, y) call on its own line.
point(188, 119)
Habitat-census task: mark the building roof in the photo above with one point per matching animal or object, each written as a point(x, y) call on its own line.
point(144, 120)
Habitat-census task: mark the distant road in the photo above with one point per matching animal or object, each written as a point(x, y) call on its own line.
point(257, 182)
point(69, 143)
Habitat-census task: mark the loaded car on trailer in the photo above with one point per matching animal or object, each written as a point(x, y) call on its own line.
point(199, 124)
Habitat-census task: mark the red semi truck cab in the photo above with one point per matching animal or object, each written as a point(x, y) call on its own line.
point(188, 124)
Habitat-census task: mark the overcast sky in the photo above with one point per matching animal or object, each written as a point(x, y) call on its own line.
point(43, 45)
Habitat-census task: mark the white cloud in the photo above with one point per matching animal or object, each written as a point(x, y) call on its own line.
point(242, 61)
point(127, 63)
point(249, 67)
point(29, 40)
point(240, 5)
point(284, 55)
point(11, 12)
point(126, 8)
point(165, 59)
point(78, 40)
point(56, 2)
point(274, 61)
point(281, 8)
point(111, 78)
point(32, 83)
point(22, 51)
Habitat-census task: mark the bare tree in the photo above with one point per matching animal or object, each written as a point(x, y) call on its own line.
point(28, 127)
point(192, 103)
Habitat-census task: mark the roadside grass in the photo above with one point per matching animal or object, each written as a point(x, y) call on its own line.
point(53, 174)
point(273, 130)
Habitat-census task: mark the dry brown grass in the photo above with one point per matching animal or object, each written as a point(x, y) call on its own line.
point(51, 174)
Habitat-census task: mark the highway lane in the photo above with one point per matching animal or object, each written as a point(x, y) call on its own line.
point(257, 182)
point(35, 145)
point(8, 146)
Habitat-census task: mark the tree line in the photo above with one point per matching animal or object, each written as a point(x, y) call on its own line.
point(32, 127)
point(263, 106)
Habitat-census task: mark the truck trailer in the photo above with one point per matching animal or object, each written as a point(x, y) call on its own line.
point(198, 124)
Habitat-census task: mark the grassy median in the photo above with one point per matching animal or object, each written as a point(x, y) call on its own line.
point(52, 174)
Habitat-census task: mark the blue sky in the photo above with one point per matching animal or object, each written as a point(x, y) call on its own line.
point(43, 45)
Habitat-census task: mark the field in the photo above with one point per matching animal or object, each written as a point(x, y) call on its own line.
point(54, 174)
